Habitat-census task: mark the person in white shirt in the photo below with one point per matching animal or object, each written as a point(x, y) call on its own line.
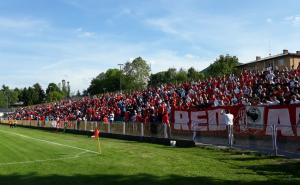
point(273, 101)
point(111, 117)
point(228, 117)
point(216, 102)
point(270, 77)
point(245, 101)
point(294, 100)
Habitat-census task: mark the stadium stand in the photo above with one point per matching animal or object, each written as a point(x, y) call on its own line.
point(270, 87)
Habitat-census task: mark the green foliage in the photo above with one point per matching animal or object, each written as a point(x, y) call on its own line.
point(135, 75)
point(3, 98)
point(32, 95)
point(138, 72)
point(54, 93)
point(194, 75)
point(39, 94)
point(78, 94)
point(224, 65)
point(174, 76)
point(55, 96)
point(65, 89)
point(29, 96)
point(106, 82)
point(8, 96)
point(181, 76)
point(52, 87)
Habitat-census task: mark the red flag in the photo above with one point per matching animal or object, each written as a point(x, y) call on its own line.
point(96, 133)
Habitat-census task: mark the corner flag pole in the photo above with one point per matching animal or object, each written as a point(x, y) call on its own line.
point(99, 146)
point(97, 136)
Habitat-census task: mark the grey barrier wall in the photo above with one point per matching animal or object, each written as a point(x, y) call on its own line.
point(255, 139)
point(272, 143)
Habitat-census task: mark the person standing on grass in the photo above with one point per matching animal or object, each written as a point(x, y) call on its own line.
point(166, 124)
point(229, 123)
point(10, 122)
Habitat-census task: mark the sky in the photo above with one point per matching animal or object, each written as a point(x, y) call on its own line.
point(49, 40)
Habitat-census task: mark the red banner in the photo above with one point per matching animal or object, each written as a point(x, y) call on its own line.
point(247, 119)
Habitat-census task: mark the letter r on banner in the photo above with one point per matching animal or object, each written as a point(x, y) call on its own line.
point(182, 120)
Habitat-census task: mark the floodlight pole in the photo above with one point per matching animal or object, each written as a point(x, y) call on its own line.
point(120, 76)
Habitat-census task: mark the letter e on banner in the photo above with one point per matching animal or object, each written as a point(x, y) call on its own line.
point(216, 120)
point(199, 120)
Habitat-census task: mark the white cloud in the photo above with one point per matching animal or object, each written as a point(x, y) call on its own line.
point(126, 11)
point(162, 60)
point(85, 34)
point(198, 28)
point(190, 56)
point(169, 25)
point(190, 39)
point(294, 20)
point(74, 3)
point(22, 23)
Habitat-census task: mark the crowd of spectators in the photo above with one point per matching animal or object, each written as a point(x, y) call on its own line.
point(270, 87)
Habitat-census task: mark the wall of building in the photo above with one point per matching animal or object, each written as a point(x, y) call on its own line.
point(295, 61)
point(281, 63)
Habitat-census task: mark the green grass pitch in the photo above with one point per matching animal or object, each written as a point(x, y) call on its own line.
point(34, 157)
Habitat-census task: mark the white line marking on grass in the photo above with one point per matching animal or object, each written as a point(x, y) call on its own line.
point(44, 160)
point(50, 142)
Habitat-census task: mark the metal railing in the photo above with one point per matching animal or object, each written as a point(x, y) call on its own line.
point(268, 139)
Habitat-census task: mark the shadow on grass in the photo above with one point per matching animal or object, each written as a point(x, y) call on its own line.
point(282, 168)
point(291, 169)
point(139, 179)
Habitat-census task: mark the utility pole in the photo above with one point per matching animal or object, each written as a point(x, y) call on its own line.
point(121, 65)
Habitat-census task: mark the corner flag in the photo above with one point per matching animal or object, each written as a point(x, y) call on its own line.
point(97, 136)
point(96, 133)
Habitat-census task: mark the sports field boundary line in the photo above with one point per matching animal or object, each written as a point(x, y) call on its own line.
point(43, 160)
point(143, 139)
point(50, 142)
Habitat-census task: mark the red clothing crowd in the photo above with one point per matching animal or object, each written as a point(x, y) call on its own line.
point(270, 87)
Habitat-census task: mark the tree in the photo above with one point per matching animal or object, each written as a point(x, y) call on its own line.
point(55, 96)
point(52, 87)
point(192, 74)
point(78, 93)
point(224, 65)
point(65, 88)
point(32, 95)
point(174, 76)
point(158, 78)
point(3, 99)
point(181, 76)
point(8, 96)
point(170, 75)
point(135, 75)
point(54, 93)
point(138, 71)
point(106, 82)
point(40, 93)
